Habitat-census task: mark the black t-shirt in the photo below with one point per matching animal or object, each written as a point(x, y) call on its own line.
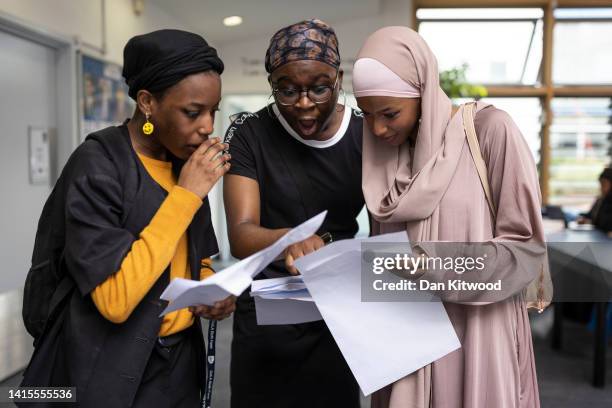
point(265, 148)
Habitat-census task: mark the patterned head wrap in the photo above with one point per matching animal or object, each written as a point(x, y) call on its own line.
point(306, 40)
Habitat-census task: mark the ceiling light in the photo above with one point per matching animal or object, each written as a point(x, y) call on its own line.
point(232, 21)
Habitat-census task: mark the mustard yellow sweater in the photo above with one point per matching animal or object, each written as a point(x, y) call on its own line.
point(163, 242)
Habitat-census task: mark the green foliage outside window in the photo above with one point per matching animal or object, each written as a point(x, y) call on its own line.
point(455, 85)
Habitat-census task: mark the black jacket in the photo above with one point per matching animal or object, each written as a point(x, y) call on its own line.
point(108, 199)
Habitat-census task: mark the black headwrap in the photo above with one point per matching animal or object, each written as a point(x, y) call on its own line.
point(160, 59)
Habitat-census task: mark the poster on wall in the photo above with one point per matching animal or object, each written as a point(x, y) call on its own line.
point(104, 96)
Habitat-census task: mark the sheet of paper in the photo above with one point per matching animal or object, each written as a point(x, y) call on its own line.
point(234, 279)
point(285, 311)
point(381, 341)
point(283, 301)
point(293, 294)
point(285, 284)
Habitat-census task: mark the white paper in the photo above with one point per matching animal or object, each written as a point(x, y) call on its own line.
point(283, 301)
point(273, 285)
point(381, 341)
point(234, 279)
point(285, 311)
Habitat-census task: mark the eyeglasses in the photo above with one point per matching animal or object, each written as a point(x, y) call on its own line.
point(317, 94)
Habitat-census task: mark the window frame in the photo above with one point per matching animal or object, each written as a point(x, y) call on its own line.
point(546, 90)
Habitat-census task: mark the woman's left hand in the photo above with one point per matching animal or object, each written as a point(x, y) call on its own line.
point(219, 311)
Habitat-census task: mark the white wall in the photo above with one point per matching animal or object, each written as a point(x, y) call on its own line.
point(244, 61)
point(83, 19)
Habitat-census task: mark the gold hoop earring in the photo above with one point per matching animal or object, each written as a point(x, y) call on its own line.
point(148, 127)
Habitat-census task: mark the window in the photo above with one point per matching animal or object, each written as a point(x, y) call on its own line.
point(580, 149)
point(500, 46)
point(548, 66)
point(583, 46)
point(526, 113)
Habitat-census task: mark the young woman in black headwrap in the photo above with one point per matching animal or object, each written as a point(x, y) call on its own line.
point(132, 205)
point(291, 160)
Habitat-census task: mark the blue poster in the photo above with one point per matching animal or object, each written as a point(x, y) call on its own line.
point(105, 101)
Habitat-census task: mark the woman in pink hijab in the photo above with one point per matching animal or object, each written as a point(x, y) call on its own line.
point(419, 176)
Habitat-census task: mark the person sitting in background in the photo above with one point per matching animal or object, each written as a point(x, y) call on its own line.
point(600, 214)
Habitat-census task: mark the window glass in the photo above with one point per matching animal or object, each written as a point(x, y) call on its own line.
point(582, 53)
point(580, 149)
point(496, 52)
point(526, 113)
point(478, 13)
point(583, 13)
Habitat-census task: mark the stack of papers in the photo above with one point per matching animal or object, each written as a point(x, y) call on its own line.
point(283, 301)
point(382, 342)
point(235, 279)
point(291, 287)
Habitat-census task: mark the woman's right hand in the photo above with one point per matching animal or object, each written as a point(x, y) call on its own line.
point(300, 249)
point(219, 311)
point(205, 167)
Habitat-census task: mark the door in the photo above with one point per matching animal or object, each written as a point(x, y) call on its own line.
point(27, 99)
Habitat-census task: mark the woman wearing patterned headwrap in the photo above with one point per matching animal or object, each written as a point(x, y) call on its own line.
point(291, 160)
point(131, 206)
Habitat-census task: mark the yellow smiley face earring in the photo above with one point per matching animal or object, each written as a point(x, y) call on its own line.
point(148, 127)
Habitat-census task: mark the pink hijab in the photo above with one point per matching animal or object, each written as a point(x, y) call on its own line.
point(400, 187)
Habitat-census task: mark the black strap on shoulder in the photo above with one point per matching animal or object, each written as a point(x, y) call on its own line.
point(62, 291)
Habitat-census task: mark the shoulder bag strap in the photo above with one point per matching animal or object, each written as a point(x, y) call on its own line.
point(481, 167)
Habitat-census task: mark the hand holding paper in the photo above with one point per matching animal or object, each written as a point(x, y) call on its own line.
point(234, 279)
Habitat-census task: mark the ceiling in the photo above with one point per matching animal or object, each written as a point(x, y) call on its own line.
point(260, 17)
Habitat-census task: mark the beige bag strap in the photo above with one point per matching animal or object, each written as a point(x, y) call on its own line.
point(470, 130)
point(481, 167)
